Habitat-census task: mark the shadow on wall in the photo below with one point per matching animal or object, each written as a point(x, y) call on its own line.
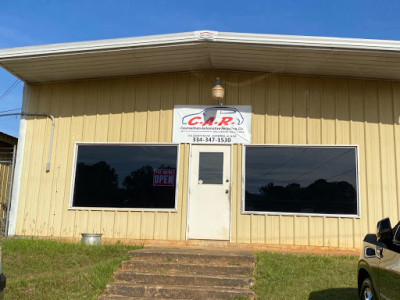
point(314, 97)
point(338, 293)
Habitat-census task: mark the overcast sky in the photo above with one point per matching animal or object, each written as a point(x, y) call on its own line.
point(25, 23)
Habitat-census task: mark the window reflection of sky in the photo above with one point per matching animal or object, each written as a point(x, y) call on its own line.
point(302, 165)
point(125, 159)
point(211, 167)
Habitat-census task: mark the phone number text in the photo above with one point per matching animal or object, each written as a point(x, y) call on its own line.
point(211, 139)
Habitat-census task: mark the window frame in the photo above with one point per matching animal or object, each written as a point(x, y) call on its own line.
point(272, 213)
point(74, 165)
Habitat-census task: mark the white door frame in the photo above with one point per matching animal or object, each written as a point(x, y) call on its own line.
point(230, 187)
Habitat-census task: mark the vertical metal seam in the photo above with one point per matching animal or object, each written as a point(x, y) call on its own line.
point(10, 190)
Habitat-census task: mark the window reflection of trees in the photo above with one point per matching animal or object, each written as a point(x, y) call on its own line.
point(97, 185)
point(301, 179)
point(320, 196)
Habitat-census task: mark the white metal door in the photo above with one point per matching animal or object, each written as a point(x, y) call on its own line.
point(209, 192)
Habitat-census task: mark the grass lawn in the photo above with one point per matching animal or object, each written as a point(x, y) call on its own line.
point(302, 276)
point(40, 269)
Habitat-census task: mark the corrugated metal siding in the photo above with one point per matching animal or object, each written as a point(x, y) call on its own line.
point(286, 110)
point(96, 111)
point(5, 179)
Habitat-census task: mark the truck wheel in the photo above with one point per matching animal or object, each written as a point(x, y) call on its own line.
point(367, 291)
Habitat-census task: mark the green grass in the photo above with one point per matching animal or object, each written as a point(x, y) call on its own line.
point(301, 276)
point(42, 269)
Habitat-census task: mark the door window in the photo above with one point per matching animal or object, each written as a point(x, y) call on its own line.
point(211, 167)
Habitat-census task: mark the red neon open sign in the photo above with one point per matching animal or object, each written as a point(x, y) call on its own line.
point(164, 177)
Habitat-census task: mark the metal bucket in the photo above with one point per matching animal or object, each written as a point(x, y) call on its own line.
point(91, 238)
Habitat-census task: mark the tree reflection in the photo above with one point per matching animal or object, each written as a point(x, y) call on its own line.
point(140, 192)
point(97, 185)
point(320, 196)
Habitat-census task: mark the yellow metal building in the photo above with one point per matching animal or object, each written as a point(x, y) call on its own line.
point(312, 101)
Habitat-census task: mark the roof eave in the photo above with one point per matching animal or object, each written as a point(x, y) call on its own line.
point(9, 58)
point(198, 36)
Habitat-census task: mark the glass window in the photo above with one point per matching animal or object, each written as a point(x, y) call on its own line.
point(125, 176)
point(300, 179)
point(211, 167)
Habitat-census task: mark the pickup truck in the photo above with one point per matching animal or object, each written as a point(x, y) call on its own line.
point(2, 277)
point(379, 263)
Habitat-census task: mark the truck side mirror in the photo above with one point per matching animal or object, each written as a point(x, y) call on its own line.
point(384, 231)
point(369, 252)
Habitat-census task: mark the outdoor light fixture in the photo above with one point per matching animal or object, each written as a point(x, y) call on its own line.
point(218, 92)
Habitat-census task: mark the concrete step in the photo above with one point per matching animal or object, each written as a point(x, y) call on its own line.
point(177, 292)
point(183, 273)
point(117, 297)
point(195, 256)
point(187, 280)
point(185, 268)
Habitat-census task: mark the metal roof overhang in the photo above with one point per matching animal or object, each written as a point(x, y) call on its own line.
point(205, 50)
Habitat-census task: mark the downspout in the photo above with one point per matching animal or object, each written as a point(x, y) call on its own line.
point(51, 135)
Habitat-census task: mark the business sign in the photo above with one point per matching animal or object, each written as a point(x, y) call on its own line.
point(212, 124)
point(164, 177)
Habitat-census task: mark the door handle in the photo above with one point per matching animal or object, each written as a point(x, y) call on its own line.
point(226, 191)
point(379, 251)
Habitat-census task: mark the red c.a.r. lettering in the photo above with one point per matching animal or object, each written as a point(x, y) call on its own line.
point(209, 121)
point(192, 121)
point(225, 121)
